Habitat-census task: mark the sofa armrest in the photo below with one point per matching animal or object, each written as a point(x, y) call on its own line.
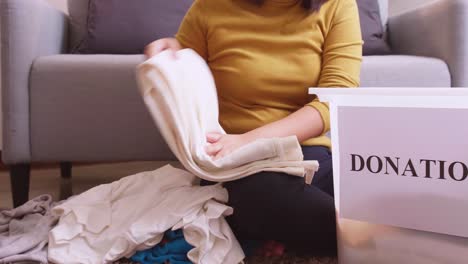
point(438, 29)
point(29, 29)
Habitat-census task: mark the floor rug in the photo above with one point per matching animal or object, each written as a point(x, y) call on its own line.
point(286, 259)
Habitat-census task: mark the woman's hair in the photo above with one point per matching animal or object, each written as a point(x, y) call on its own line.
point(312, 5)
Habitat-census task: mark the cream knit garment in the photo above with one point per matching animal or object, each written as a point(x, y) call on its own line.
point(115, 220)
point(181, 96)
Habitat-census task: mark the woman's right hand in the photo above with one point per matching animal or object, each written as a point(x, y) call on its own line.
point(160, 45)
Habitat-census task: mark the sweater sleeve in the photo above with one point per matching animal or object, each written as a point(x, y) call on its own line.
point(192, 31)
point(342, 55)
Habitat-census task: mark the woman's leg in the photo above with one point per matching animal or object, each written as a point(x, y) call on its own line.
point(281, 207)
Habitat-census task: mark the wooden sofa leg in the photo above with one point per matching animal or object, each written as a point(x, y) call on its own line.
point(66, 170)
point(66, 189)
point(19, 178)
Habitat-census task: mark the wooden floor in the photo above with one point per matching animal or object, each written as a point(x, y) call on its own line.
point(45, 179)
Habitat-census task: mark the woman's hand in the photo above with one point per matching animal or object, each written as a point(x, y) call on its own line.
point(160, 45)
point(222, 145)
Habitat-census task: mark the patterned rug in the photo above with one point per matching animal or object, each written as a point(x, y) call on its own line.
point(286, 259)
point(291, 259)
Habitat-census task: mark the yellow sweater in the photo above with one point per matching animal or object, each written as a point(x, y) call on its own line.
point(264, 58)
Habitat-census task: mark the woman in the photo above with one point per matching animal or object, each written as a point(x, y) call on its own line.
point(264, 54)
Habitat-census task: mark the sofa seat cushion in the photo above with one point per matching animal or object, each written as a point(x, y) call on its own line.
point(88, 108)
point(404, 71)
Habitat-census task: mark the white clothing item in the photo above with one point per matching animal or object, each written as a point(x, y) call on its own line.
point(181, 96)
point(115, 220)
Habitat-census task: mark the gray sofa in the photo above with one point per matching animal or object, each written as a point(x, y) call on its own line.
point(67, 108)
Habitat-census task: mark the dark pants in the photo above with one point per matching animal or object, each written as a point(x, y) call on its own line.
point(281, 207)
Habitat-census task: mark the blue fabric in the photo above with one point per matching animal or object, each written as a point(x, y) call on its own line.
point(174, 251)
point(250, 247)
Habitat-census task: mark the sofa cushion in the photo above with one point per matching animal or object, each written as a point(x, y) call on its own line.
point(373, 32)
point(404, 71)
point(88, 108)
point(126, 27)
point(106, 119)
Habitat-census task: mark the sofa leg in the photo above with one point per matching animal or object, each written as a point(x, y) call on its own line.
point(19, 178)
point(66, 170)
point(66, 189)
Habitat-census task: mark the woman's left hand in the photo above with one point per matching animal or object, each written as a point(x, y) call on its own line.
point(222, 145)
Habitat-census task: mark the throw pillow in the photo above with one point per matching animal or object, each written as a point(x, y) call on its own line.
point(126, 27)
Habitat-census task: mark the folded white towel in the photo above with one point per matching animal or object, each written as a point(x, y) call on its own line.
point(115, 220)
point(181, 96)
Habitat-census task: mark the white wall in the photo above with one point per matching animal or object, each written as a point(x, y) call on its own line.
point(399, 6)
point(61, 4)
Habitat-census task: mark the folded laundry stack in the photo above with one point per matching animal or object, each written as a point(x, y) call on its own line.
point(181, 96)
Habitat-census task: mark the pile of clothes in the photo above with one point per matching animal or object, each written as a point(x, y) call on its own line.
point(158, 216)
point(117, 220)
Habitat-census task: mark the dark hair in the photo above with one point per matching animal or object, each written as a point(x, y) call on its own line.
point(312, 5)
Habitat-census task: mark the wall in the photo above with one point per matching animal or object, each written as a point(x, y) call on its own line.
point(61, 4)
point(399, 6)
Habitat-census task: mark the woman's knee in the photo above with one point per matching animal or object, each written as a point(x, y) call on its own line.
point(323, 178)
point(262, 185)
point(257, 199)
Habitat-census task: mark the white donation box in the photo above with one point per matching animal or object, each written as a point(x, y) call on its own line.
point(400, 163)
